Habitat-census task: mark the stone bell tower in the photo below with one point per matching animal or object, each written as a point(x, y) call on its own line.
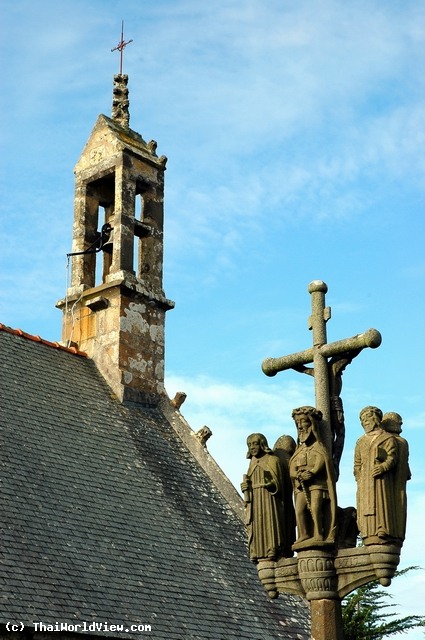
point(115, 306)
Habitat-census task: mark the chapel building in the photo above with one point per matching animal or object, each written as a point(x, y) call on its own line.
point(116, 521)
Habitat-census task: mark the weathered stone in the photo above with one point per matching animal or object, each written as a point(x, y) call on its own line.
point(327, 377)
point(203, 435)
point(381, 470)
point(284, 448)
point(329, 565)
point(266, 573)
point(326, 620)
point(115, 309)
point(120, 101)
point(262, 487)
point(178, 399)
point(340, 572)
point(312, 474)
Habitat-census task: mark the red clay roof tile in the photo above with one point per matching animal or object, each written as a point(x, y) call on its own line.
point(54, 345)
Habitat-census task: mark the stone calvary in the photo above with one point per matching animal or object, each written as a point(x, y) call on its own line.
point(290, 490)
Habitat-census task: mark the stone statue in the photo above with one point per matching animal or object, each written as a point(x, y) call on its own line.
point(348, 530)
point(376, 469)
point(335, 367)
point(329, 564)
point(262, 487)
point(284, 448)
point(392, 422)
point(313, 477)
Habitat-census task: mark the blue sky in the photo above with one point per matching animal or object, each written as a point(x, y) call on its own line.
point(295, 134)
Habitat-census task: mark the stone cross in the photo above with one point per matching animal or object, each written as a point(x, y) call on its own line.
point(121, 45)
point(320, 352)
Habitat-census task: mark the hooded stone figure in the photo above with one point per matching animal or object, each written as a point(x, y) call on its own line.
point(313, 477)
point(262, 487)
point(391, 422)
point(284, 448)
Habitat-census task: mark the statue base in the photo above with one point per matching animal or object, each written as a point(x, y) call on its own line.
point(266, 573)
point(316, 544)
point(327, 574)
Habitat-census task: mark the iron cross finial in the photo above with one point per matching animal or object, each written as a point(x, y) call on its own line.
point(121, 45)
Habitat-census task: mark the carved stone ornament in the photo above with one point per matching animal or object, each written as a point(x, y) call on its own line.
point(313, 478)
point(296, 484)
point(328, 564)
point(381, 469)
point(120, 101)
point(203, 435)
point(263, 490)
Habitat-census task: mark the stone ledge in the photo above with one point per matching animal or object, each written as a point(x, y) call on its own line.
point(121, 279)
point(343, 571)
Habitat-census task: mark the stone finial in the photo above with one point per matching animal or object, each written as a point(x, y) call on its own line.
point(203, 435)
point(120, 101)
point(152, 145)
point(178, 399)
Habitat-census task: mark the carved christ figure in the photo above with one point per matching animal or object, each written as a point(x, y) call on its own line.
point(313, 478)
point(336, 367)
point(263, 493)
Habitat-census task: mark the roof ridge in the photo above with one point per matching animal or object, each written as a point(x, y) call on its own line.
point(48, 343)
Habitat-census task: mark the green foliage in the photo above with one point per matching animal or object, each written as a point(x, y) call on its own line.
point(366, 616)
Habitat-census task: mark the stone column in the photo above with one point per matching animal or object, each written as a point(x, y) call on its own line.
point(123, 245)
point(319, 580)
point(326, 620)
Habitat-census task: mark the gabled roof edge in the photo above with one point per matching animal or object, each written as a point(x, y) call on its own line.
point(203, 457)
point(48, 343)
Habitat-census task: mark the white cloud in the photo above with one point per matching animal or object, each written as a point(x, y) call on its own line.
point(233, 412)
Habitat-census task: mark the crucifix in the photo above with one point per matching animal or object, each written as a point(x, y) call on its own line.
point(121, 45)
point(329, 361)
point(328, 566)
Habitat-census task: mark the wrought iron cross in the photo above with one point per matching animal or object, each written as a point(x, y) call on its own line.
point(121, 45)
point(319, 354)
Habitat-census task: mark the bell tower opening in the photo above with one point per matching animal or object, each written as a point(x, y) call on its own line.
point(102, 191)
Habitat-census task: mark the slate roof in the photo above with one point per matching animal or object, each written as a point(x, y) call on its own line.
point(106, 516)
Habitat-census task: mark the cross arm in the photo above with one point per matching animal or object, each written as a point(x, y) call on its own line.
point(370, 338)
